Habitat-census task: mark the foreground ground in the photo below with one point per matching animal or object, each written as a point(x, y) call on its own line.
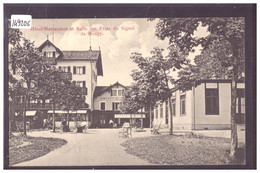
point(104, 147)
point(24, 148)
point(96, 147)
point(183, 150)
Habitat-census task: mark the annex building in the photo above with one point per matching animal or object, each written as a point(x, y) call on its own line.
point(205, 107)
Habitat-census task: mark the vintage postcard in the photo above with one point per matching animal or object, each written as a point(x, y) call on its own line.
point(151, 91)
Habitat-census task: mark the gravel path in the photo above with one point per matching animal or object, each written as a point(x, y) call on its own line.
point(96, 147)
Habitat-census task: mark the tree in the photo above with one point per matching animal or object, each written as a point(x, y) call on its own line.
point(131, 101)
point(51, 86)
point(72, 99)
point(153, 79)
point(30, 65)
point(180, 32)
point(15, 92)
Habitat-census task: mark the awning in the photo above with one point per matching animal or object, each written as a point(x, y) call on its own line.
point(129, 115)
point(65, 112)
point(30, 113)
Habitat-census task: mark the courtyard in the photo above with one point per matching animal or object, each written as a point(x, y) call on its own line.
point(104, 147)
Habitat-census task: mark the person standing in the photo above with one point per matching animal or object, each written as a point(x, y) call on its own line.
point(111, 123)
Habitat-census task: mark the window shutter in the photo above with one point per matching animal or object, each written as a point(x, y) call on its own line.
point(111, 92)
point(84, 70)
point(74, 69)
point(68, 68)
point(84, 84)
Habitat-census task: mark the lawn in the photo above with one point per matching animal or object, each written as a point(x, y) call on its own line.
point(182, 150)
point(24, 148)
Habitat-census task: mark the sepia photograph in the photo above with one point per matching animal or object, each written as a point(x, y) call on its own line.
point(122, 92)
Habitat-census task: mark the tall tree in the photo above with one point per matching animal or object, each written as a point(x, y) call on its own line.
point(29, 63)
point(180, 32)
point(153, 79)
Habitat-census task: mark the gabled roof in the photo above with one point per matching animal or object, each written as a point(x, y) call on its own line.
point(88, 55)
point(101, 89)
point(48, 43)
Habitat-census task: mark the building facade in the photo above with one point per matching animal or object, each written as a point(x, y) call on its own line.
point(107, 101)
point(83, 68)
point(205, 107)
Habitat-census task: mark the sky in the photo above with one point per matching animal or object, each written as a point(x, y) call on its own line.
point(116, 38)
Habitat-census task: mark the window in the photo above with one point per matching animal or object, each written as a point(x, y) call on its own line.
point(212, 101)
point(173, 107)
point(161, 110)
point(182, 103)
point(115, 105)
point(121, 92)
point(102, 105)
point(79, 83)
point(114, 93)
point(240, 101)
point(53, 54)
point(79, 70)
point(64, 69)
point(117, 92)
point(49, 54)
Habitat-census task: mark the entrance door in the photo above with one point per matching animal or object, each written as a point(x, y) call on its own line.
point(240, 106)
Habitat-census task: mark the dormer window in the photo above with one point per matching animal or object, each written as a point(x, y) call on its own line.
point(49, 54)
point(117, 92)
